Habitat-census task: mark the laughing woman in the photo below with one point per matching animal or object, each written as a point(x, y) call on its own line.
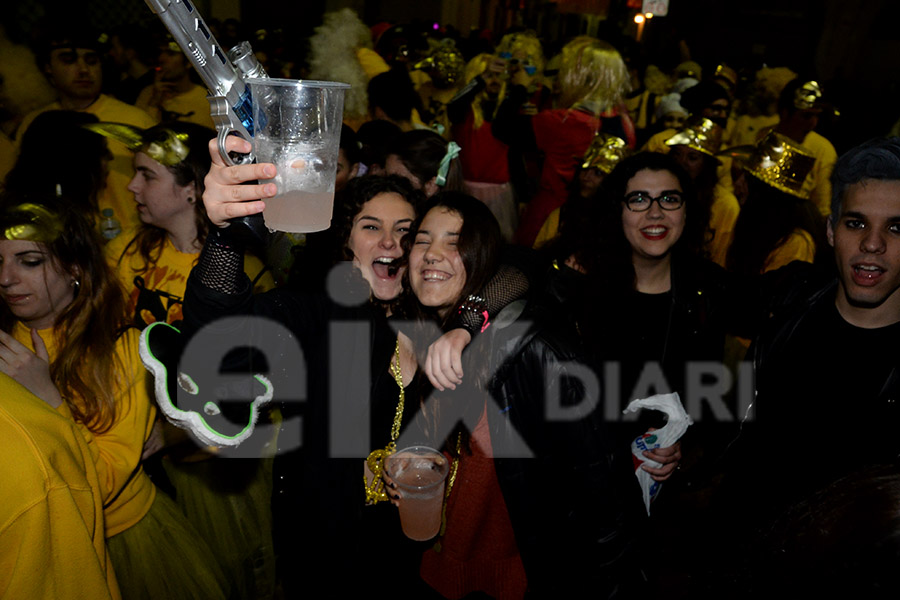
point(370, 223)
point(64, 338)
point(507, 529)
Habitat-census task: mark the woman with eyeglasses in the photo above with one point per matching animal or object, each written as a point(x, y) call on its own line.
point(651, 308)
point(648, 295)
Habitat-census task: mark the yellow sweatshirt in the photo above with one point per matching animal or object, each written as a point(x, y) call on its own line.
point(126, 490)
point(52, 544)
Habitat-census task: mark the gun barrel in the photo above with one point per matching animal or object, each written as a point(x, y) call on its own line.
point(206, 55)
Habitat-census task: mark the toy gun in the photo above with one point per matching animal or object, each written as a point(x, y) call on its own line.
point(231, 105)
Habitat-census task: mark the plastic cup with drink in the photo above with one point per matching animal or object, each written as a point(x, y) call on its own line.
point(298, 128)
point(419, 474)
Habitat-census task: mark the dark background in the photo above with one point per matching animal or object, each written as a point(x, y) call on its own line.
point(853, 48)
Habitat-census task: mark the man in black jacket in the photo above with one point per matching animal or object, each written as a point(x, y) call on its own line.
point(827, 379)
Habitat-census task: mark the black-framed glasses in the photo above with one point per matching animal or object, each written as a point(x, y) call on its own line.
point(641, 201)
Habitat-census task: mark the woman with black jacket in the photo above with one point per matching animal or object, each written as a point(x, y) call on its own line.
point(541, 498)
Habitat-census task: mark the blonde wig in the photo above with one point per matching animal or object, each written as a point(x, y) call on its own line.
point(592, 71)
point(333, 57)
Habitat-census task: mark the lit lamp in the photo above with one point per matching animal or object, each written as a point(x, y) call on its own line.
point(639, 19)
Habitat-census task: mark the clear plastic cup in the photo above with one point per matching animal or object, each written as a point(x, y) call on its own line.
point(298, 128)
point(419, 473)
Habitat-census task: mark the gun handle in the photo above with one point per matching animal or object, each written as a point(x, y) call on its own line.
point(223, 118)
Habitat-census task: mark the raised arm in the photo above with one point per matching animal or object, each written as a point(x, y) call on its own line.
point(511, 125)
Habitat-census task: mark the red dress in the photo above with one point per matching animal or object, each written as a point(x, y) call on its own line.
point(564, 136)
point(478, 549)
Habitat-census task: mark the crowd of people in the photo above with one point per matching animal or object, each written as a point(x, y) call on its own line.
point(522, 244)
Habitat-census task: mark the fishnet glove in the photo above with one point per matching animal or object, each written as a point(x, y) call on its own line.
point(221, 263)
point(475, 313)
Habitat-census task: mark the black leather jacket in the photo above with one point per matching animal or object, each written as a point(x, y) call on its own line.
point(575, 506)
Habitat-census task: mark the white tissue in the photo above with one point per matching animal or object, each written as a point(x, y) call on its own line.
point(677, 423)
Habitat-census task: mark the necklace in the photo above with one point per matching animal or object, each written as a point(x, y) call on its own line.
point(375, 461)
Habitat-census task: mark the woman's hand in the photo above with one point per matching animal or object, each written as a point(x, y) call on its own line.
point(391, 490)
point(443, 363)
point(31, 369)
point(669, 457)
point(225, 198)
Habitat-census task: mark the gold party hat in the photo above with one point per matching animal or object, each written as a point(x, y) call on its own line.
point(605, 152)
point(700, 134)
point(777, 161)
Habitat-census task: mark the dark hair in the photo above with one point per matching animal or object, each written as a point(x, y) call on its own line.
point(79, 176)
point(766, 220)
point(350, 144)
point(597, 239)
point(61, 31)
point(479, 243)
point(702, 95)
point(393, 92)
point(786, 98)
point(877, 159)
point(360, 190)
point(192, 170)
point(421, 152)
point(376, 137)
point(139, 38)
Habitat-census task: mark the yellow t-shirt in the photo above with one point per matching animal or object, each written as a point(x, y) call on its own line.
point(116, 195)
point(371, 62)
point(818, 182)
point(191, 106)
point(548, 230)
point(126, 490)
point(746, 128)
point(798, 246)
point(52, 543)
point(157, 293)
point(723, 215)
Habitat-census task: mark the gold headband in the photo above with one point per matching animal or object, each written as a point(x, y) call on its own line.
point(40, 224)
point(168, 149)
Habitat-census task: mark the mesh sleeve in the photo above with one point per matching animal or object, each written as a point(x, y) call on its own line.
point(221, 263)
point(474, 314)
